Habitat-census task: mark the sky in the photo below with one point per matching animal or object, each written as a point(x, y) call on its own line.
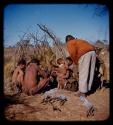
point(62, 19)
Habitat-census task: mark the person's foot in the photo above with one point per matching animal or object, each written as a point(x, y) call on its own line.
point(78, 94)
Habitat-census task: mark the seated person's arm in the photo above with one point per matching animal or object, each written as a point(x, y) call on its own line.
point(43, 73)
point(67, 74)
point(15, 75)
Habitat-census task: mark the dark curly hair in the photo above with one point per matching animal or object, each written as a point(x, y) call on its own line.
point(69, 37)
point(22, 61)
point(35, 61)
point(59, 60)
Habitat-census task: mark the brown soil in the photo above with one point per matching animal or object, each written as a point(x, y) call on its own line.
point(30, 108)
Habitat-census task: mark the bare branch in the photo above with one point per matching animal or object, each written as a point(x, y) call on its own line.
point(53, 37)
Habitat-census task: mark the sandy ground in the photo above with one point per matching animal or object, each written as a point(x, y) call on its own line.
point(29, 108)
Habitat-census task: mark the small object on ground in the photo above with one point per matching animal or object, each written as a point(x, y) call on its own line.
point(63, 99)
point(46, 99)
point(62, 102)
point(51, 92)
point(53, 100)
point(89, 106)
point(90, 112)
point(56, 108)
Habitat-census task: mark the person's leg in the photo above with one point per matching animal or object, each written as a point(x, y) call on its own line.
point(59, 86)
point(92, 68)
point(20, 79)
point(42, 83)
point(62, 83)
point(84, 65)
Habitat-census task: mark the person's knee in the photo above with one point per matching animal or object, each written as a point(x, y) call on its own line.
point(34, 91)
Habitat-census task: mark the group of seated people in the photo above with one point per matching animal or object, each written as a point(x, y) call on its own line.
point(32, 78)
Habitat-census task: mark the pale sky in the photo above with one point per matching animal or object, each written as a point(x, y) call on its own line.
point(62, 19)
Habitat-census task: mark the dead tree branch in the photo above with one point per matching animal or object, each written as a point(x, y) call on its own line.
point(54, 38)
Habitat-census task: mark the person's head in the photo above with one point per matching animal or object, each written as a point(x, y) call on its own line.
point(69, 37)
point(60, 61)
point(51, 62)
point(69, 61)
point(21, 63)
point(34, 60)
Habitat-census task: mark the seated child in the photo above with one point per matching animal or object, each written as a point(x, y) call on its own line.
point(62, 73)
point(72, 83)
point(72, 67)
point(18, 74)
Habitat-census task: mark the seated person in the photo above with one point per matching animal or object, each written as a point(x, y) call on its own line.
point(62, 73)
point(18, 74)
point(31, 84)
point(53, 68)
point(73, 67)
point(72, 83)
point(52, 71)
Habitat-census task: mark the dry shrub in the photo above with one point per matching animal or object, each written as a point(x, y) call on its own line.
point(104, 56)
point(102, 51)
point(8, 69)
point(27, 52)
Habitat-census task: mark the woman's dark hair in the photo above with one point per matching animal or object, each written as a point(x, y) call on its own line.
point(58, 60)
point(22, 61)
point(70, 61)
point(69, 58)
point(69, 37)
point(35, 61)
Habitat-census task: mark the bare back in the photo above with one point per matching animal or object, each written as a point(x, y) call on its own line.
point(17, 75)
point(30, 79)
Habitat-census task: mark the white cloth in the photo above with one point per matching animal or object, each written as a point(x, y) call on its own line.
point(86, 102)
point(86, 65)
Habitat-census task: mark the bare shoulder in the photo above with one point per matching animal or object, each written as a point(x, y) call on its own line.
point(17, 69)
